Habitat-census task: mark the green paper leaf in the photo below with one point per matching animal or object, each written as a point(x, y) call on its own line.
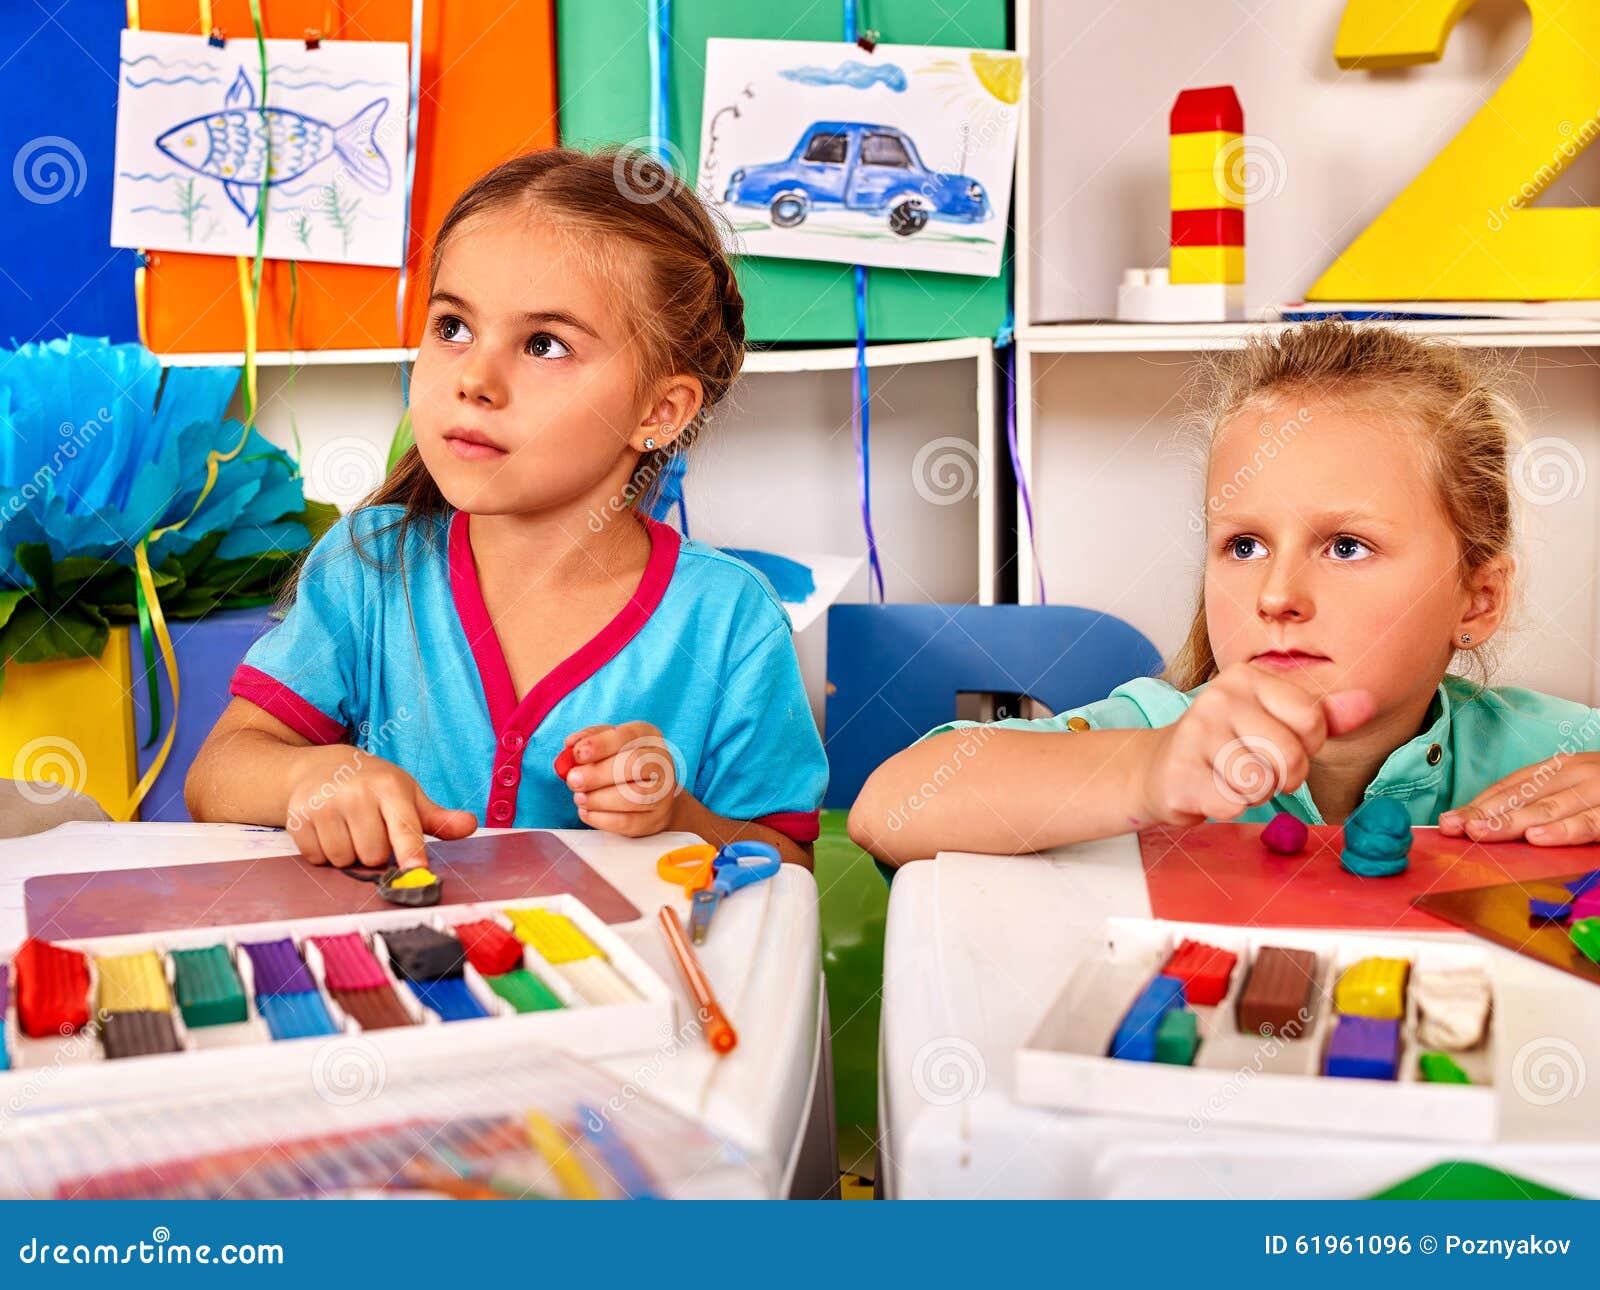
point(34, 635)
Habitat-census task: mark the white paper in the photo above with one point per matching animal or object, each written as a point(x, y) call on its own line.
point(912, 169)
point(192, 153)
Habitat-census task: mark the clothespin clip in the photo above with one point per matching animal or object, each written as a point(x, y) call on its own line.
point(868, 40)
point(146, 259)
point(313, 38)
point(218, 38)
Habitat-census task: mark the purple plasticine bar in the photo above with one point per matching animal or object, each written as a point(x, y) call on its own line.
point(1551, 911)
point(5, 989)
point(278, 968)
point(348, 964)
point(1584, 883)
point(1364, 1048)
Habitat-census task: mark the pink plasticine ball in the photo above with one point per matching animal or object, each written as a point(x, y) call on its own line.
point(1285, 835)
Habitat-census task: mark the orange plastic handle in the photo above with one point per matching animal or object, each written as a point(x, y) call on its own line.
point(689, 867)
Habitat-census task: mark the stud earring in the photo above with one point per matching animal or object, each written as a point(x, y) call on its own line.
point(649, 445)
point(1466, 639)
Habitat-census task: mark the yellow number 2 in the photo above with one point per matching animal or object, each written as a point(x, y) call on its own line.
point(1463, 229)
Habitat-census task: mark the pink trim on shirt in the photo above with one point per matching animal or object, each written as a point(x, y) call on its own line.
point(798, 826)
point(514, 722)
point(276, 699)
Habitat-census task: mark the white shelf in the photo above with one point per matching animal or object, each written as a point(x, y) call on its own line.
point(1134, 338)
point(832, 358)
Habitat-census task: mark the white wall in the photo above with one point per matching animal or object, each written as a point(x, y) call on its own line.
point(776, 471)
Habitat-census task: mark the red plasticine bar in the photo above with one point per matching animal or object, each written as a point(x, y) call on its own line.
point(52, 986)
point(490, 947)
point(348, 964)
point(1204, 970)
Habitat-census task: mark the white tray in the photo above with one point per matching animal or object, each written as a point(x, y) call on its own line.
point(1248, 1080)
point(54, 1070)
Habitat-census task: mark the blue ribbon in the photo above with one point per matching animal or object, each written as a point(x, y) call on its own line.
point(661, 78)
point(861, 410)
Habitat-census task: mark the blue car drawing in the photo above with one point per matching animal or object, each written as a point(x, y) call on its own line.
point(850, 165)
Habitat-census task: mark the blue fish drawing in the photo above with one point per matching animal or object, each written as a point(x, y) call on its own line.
point(230, 146)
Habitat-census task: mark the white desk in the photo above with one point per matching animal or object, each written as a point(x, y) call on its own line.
point(978, 947)
point(772, 1096)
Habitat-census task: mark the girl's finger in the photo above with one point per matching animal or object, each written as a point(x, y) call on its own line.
point(444, 821)
point(304, 836)
point(1569, 831)
point(1523, 819)
point(404, 827)
point(334, 837)
point(1262, 759)
point(579, 734)
point(1300, 711)
point(368, 833)
point(597, 745)
point(626, 824)
point(1528, 783)
point(628, 797)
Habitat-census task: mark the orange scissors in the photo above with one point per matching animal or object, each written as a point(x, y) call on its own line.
point(692, 867)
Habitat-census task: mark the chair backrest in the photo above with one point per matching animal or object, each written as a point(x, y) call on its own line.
point(894, 671)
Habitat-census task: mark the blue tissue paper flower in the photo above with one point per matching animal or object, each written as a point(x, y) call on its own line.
point(97, 451)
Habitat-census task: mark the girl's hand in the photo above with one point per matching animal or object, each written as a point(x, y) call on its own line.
point(352, 807)
point(1553, 803)
point(623, 779)
point(1246, 738)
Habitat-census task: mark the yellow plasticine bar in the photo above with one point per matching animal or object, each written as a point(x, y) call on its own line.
point(1373, 988)
point(555, 936)
point(133, 983)
point(1198, 151)
point(1202, 190)
point(1207, 264)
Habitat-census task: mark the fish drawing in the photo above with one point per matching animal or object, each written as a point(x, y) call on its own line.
point(231, 146)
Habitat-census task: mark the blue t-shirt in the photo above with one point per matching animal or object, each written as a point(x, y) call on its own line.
point(408, 667)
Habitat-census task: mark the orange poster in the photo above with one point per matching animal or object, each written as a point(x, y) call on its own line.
point(488, 92)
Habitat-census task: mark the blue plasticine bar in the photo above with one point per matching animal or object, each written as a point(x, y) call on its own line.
point(1364, 1048)
point(295, 1016)
point(1554, 911)
point(1135, 1040)
point(449, 997)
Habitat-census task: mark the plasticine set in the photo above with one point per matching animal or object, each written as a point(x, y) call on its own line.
point(1310, 1030)
point(188, 1003)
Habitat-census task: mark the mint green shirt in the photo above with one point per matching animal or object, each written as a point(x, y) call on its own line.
point(1470, 738)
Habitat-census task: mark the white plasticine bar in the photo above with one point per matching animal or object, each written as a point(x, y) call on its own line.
point(597, 981)
point(1453, 1007)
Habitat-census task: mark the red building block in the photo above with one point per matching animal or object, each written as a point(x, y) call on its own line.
point(52, 987)
point(1204, 970)
point(1215, 107)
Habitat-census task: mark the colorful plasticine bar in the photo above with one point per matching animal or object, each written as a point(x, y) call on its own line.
point(1135, 1040)
point(208, 987)
point(1205, 971)
point(489, 947)
point(1364, 1048)
point(348, 963)
point(278, 968)
point(52, 985)
point(1276, 999)
point(1373, 987)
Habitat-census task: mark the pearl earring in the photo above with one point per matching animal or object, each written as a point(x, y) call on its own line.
point(1466, 639)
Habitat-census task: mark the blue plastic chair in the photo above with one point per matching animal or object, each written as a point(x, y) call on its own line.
point(894, 671)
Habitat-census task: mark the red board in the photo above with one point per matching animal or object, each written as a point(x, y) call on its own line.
point(1220, 873)
point(505, 866)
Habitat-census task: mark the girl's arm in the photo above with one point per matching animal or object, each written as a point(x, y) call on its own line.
point(340, 804)
point(1003, 792)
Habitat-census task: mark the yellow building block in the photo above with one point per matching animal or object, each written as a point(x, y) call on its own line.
point(555, 937)
point(1203, 190)
point(71, 723)
point(1373, 988)
point(133, 983)
point(1198, 151)
point(1207, 264)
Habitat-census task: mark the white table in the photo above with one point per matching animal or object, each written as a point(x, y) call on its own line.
point(978, 947)
point(772, 1096)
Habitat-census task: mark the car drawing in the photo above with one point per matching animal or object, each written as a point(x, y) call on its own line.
point(853, 166)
